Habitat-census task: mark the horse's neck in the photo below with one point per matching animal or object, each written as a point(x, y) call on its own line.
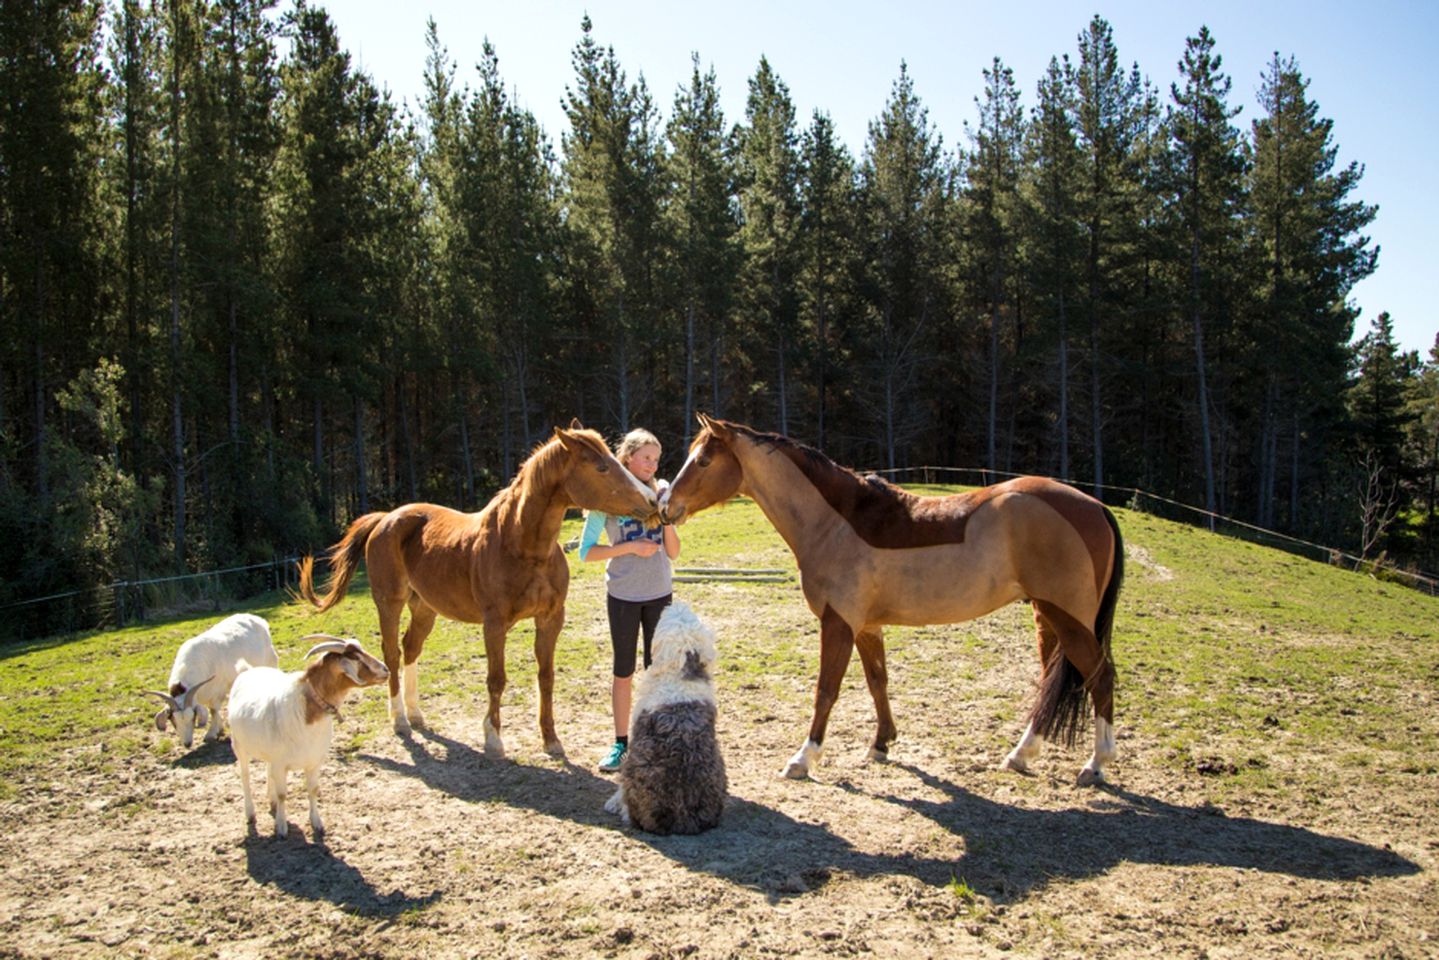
point(530, 516)
point(786, 496)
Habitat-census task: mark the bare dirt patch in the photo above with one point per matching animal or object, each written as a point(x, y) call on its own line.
point(435, 850)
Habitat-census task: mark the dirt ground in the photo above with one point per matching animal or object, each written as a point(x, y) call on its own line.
point(434, 850)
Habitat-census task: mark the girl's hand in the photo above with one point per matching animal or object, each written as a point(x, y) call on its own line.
point(643, 548)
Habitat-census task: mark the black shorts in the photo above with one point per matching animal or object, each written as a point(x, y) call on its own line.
point(626, 619)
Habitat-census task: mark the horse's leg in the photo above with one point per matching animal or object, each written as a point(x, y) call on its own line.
point(422, 621)
point(389, 609)
point(1083, 651)
point(495, 656)
point(836, 643)
point(870, 644)
point(547, 633)
point(1028, 747)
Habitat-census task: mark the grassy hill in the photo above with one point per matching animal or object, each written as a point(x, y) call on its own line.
point(1278, 762)
point(1221, 646)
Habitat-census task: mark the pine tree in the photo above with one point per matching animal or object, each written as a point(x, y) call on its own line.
point(1106, 104)
point(827, 256)
point(1306, 232)
point(1381, 419)
point(902, 182)
point(991, 203)
point(1209, 204)
point(703, 223)
point(1052, 228)
point(768, 157)
point(612, 199)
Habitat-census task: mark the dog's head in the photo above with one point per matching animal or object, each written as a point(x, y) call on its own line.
point(684, 646)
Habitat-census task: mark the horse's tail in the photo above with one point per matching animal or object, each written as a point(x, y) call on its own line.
point(344, 557)
point(1104, 622)
point(1058, 714)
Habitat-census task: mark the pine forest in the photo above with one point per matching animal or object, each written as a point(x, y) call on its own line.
point(245, 296)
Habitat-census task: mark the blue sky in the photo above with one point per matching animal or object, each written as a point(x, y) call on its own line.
point(1369, 66)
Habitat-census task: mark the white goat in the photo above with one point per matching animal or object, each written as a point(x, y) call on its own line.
point(203, 671)
point(285, 719)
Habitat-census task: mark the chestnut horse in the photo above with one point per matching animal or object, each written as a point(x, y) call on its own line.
point(495, 568)
point(871, 554)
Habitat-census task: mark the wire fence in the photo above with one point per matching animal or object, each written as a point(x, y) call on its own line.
point(135, 601)
point(1152, 503)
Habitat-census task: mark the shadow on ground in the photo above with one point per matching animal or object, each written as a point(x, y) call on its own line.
point(1011, 850)
point(210, 754)
point(311, 871)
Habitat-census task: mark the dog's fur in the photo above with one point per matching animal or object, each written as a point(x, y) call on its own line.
point(672, 780)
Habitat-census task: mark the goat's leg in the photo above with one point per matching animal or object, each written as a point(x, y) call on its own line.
point(244, 762)
point(277, 798)
point(213, 733)
point(312, 789)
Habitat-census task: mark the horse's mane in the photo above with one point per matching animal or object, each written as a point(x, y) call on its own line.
point(882, 513)
point(548, 458)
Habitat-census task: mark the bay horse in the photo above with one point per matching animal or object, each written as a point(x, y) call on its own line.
point(872, 554)
point(495, 568)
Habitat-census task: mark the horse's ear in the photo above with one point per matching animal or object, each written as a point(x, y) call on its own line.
point(575, 424)
point(716, 428)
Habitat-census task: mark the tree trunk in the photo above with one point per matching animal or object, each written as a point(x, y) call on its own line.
point(823, 367)
point(1063, 391)
point(689, 419)
point(783, 391)
point(991, 455)
point(405, 439)
point(362, 483)
point(1204, 428)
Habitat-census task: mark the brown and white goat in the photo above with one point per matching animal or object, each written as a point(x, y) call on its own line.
point(286, 719)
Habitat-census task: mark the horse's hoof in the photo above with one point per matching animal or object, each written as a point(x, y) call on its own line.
point(555, 749)
point(417, 720)
point(1089, 778)
point(402, 727)
point(796, 771)
point(1016, 763)
point(876, 755)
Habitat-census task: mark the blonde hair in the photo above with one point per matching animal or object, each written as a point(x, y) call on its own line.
point(632, 441)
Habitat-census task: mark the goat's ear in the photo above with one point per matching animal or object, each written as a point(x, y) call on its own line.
point(202, 716)
point(160, 719)
point(351, 667)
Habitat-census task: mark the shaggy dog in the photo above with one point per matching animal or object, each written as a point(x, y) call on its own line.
point(672, 780)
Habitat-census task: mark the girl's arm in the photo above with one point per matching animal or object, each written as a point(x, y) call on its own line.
point(591, 548)
point(672, 541)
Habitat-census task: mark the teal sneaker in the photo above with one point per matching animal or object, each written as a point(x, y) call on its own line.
point(611, 762)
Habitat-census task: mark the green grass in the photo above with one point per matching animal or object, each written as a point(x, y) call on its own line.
point(1229, 647)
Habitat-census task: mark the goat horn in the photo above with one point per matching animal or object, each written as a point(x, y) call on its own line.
point(189, 695)
point(161, 696)
point(335, 645)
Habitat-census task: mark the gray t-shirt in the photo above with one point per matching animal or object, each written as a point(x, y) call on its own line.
point(630, 577)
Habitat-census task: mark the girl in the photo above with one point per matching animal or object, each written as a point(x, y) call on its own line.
point(637, 579)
